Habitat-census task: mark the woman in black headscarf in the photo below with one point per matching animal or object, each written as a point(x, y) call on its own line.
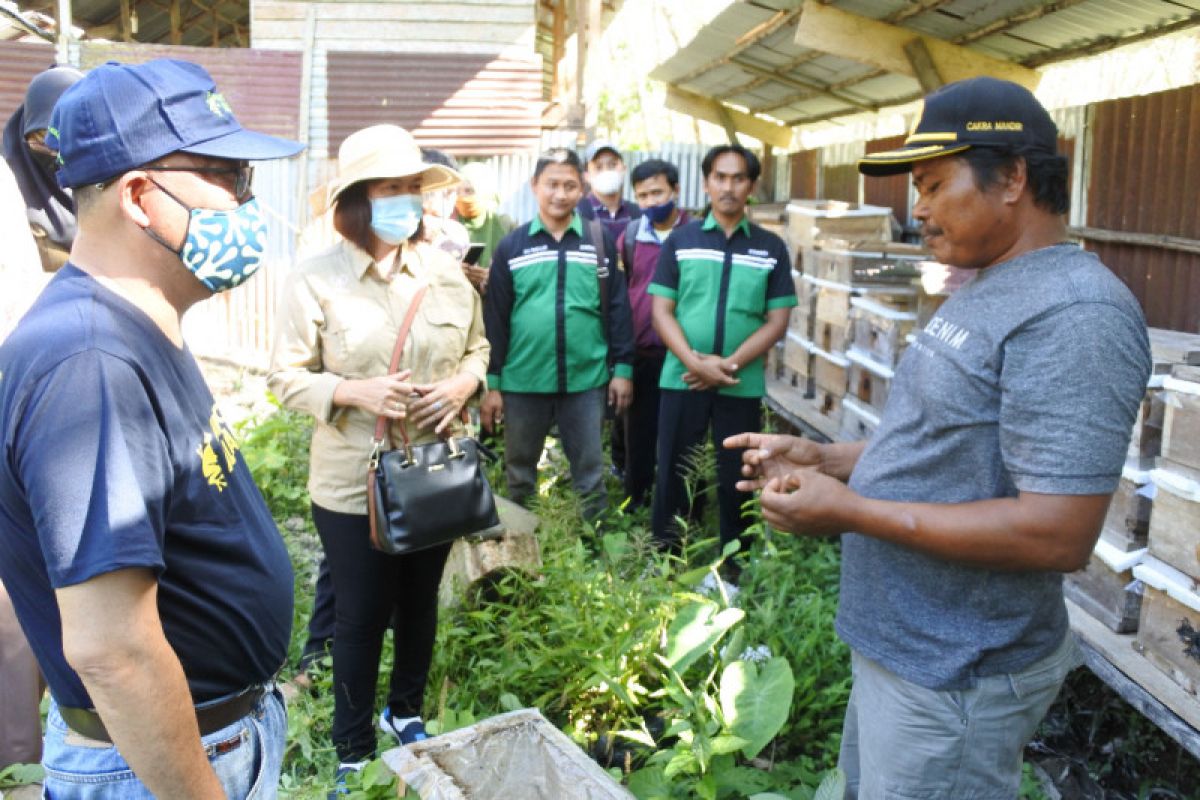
point(50, 208)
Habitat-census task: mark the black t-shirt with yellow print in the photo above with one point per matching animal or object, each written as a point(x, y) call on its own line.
point(115, 458)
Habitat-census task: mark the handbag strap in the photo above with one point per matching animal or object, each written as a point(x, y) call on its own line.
point(382, 428)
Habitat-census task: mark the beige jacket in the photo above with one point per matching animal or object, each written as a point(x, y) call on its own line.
point(338, 318)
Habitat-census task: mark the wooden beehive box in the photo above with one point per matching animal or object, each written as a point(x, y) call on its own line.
point(1175, 524)
point(826, 403)
point(868, 263)
point(1181, 417)
point(1169, 627)
point(1104, 588)
point(868, 381)
point(859, 421)
point(1175, 347)
point(879, 330)
point(1127, 524)
point(798, 362)
point(804, 316)
point(809, 221)
point(830, 371)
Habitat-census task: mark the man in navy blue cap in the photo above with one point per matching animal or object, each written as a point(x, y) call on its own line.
point(991, 470)
point(142, 561)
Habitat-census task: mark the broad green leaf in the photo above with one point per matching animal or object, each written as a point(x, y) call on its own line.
point(21, 774)
point(696, 630)
point(755, 703)
point(510, 702)
point(649, 784)
point(727, 744)
point(681, 763)
point(833, 786)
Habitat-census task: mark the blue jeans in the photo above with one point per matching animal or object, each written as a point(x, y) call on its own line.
point(902, 741)
point(78, 768)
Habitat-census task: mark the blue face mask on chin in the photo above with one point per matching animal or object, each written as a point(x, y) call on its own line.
point(221, 248)
point(395, 219)
point(659, 213)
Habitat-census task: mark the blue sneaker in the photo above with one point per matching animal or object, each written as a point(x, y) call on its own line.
point(406, 729)
point(339, 784)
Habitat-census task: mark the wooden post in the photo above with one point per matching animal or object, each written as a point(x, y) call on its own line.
point(766, 183)
point(62, 42)
point(923, 66)
point(126, 21)
point(176, 23)
point(557, 46)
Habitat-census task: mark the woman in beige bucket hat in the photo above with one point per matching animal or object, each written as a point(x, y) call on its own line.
point(339, 317)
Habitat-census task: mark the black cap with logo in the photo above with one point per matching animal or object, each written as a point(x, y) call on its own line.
point(977, 112)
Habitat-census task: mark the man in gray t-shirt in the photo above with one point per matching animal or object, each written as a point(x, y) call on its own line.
point(991, 470)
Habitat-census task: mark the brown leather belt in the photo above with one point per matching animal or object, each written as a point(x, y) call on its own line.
point(211, 718)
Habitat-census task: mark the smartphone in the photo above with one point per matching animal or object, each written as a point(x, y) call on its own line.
point(474, 251)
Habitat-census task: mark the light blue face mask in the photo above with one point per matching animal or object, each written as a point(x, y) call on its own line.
point(221, 248)
point(395, 219)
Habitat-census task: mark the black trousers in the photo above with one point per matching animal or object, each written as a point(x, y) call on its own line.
point(323, 618)
point(684, 421)
point(374, 590)
point(641, 430)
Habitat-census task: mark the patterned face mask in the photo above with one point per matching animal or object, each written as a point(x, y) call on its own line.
point(221, 248)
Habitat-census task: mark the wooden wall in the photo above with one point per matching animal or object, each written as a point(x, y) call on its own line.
point(411, 26)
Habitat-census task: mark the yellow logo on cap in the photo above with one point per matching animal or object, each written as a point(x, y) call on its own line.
point(218, 105)
point(995, 126)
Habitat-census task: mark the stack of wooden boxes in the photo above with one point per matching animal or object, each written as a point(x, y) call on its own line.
point(1169, 626)
point(1106, 588)
point(857, 303)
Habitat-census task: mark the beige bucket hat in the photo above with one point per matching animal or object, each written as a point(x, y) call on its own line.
point(384, 151)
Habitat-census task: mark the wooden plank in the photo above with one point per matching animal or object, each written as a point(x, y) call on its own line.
point(923, 66)
point(1175, 347)
point(831, 30)
point(1112, 658)
point(702, 108)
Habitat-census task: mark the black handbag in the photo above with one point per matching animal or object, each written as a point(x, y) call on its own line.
point(423, 495)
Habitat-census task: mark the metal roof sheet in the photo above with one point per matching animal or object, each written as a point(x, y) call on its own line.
point(746, 54)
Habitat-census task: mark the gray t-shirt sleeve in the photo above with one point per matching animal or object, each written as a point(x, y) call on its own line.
point(1069, 398)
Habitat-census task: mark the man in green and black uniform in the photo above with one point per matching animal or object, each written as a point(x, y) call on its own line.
point(557, 316)
point(722, 292)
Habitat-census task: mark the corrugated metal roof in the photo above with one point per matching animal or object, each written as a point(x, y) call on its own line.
point(463, 104)
point(746, 55)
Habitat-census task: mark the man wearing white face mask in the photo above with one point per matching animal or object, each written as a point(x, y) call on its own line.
point(606, 181)
point(140, 557)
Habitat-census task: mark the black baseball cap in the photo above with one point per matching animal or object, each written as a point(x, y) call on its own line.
point(977, 112)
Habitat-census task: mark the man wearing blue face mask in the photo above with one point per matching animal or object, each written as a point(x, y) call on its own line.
point(141, 559)
point(656, 187)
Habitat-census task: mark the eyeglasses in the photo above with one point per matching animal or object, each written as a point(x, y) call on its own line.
point(241, 175)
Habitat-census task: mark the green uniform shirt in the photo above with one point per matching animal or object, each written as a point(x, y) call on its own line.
point(544, 317)
point(723, 289)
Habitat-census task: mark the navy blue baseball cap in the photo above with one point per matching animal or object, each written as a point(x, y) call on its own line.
point(121, 116)
point(977, 112)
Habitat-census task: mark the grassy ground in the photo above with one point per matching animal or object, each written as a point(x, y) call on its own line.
point(599, 641)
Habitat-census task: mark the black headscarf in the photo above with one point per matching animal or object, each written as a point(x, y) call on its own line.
point(49, 206)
